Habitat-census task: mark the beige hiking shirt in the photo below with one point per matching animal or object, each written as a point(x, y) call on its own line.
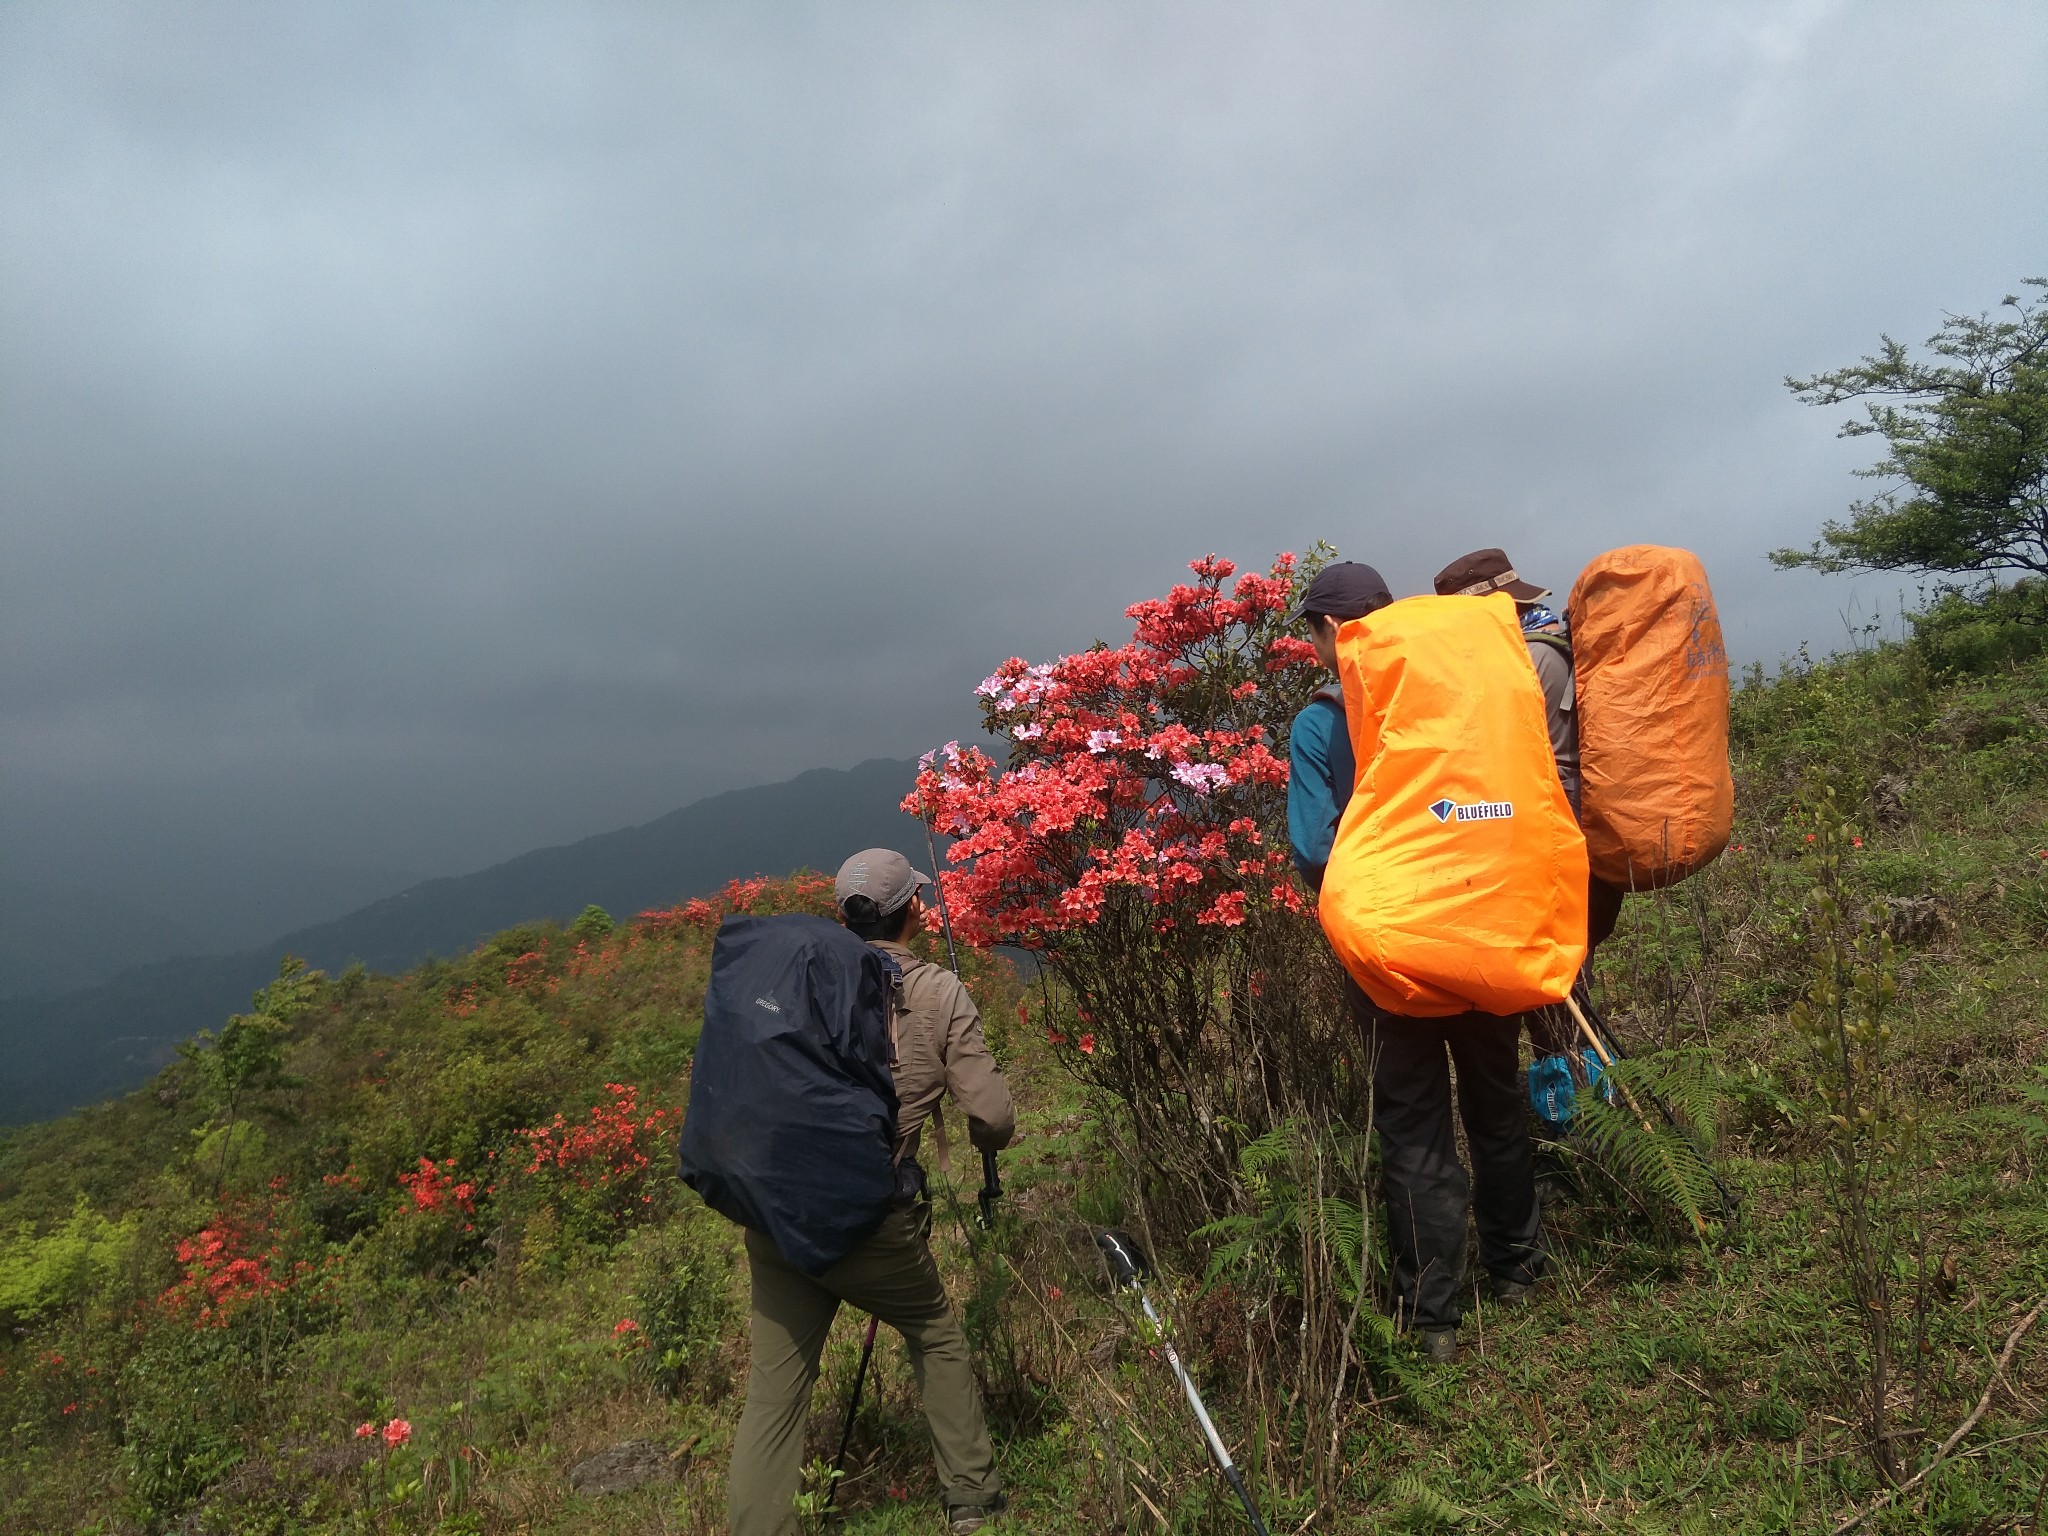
point(939, 1050)
point(1554, 672)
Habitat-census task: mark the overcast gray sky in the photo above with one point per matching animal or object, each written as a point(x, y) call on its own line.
point(431, 431)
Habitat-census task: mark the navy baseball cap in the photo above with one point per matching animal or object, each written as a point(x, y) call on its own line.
point(1345, 590)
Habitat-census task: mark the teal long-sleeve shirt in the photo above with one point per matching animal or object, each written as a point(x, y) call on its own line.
point(1321, 771)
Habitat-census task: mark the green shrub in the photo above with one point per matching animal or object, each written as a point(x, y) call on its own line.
point(178, 1398)
point(682, 1297)
point(40, 1273)
point(593, 923)
point(1964, 632)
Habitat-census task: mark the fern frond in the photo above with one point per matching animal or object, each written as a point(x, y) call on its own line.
point(1343, 1228)
point(1274, 1150)
point(1418, 1500)
point(1650, 1159)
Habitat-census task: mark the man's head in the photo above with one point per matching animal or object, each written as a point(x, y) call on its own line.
point(877, 894)
point(1340, 592)
point(1486, 571)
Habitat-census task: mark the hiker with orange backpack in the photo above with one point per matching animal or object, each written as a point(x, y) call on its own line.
point(1440, 879)
point(1638, 721)
point(1550, 648)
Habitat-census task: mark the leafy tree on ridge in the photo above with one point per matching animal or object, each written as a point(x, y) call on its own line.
point(1966, 431)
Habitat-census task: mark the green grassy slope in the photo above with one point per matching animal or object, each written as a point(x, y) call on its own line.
point(208, 1302)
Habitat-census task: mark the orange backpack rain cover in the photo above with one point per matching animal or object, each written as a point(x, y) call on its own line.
point(1458, 879)
point(1655, 792)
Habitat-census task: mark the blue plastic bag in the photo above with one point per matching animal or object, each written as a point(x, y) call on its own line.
point(1554, 1095)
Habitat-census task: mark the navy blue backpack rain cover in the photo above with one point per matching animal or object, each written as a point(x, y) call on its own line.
point(791, 1129)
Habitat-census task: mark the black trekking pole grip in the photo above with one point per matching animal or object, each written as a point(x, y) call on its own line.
point(1126, 1259)
point(991, 1189)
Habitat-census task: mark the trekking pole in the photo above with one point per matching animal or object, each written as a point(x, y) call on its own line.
point(991, 1182)
point(1127, 1264)
point(1608, 1050)
point(867, 1350)
point(931, 849)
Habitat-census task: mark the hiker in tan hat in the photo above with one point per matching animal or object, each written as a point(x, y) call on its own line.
point(939, 1051)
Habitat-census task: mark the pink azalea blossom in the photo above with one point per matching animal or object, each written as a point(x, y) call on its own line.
point(397, 1432)
point(1074, 823)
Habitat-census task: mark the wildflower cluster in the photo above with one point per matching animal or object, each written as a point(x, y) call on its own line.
point(394, 1434)
point(1153, 774)
point(434, 1187)
point(609, 1152)
point(224, 1270)
point(759, 896)
point(527, 969)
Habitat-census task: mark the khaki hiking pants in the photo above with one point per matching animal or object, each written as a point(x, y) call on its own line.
point(892, 1276)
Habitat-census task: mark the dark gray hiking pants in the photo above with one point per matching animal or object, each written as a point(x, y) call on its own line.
point(1426, 1188)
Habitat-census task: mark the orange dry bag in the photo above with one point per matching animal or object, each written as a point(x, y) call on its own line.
point(1458, 879)
point(1655, 794)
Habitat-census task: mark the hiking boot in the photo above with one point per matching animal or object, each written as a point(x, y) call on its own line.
point(963, 1519)
point(1438, 1345)
point(1507, 1294)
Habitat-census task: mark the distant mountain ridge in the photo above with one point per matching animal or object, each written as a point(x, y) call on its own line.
point(58, 1053)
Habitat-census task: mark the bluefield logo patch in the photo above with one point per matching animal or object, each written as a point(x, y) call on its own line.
point(1479, 810)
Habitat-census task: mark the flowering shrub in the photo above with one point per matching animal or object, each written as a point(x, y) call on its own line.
point(223, 1271)
point(1136, 838)
point(1155, 772)
point(527, 969)
point(434, 1187)
point(606, 1155)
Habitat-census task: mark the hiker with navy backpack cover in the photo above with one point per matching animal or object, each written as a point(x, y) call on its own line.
point(825, 1048)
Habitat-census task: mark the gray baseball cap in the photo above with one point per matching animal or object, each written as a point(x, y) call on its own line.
point(880, 874)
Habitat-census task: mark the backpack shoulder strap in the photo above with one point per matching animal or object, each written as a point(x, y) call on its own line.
point(1331, 694)
point(895, 972)
point(1561, 642)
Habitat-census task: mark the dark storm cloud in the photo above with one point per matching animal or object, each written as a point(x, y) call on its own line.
point(429, 431)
